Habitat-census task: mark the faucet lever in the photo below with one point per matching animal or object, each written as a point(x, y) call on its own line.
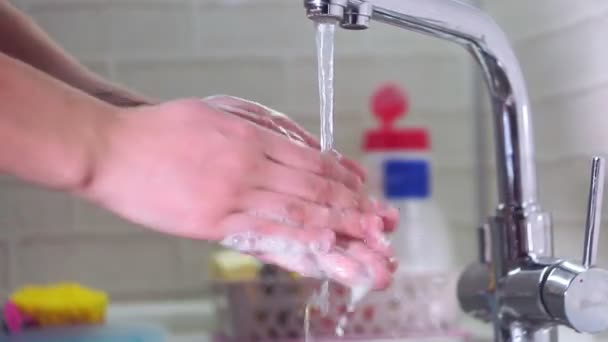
point(594, 212)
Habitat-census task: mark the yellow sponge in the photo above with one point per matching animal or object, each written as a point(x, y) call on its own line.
point(61, 304)
point(231, 266)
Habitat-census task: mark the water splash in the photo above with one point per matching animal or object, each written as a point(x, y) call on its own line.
point(357, 293)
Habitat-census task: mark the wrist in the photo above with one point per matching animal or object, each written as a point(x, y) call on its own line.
point(119, 97)
point(97, 133)
point(112, 138)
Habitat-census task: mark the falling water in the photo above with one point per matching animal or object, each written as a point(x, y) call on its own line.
point(325, 33)
point(325, 59)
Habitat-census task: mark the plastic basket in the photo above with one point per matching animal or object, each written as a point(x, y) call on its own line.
point(421, 305)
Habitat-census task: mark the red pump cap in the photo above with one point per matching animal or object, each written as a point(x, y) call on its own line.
point(387, 104)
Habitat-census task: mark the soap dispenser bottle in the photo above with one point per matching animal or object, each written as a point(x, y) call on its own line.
point(398, 161)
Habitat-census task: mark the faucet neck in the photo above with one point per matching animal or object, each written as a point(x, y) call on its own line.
point(478, 33)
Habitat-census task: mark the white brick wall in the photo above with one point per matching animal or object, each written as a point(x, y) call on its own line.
point(4, 266)
point(240, 76)
point(264, 50)
point(121, 263)
point(562, 47)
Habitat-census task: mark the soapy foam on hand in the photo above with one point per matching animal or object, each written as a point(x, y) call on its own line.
point(249, 242)
point(296, 253)
point(293, 255)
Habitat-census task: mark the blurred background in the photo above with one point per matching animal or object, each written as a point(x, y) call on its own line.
point(264, 50)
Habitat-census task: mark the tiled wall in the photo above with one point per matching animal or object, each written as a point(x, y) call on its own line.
point(562, 47)
point(264, 50)
point(261, 50)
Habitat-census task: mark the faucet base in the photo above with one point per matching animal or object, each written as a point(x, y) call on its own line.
point(518, 333)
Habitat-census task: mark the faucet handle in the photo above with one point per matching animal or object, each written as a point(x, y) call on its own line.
point(594, 212)
point(577, 295)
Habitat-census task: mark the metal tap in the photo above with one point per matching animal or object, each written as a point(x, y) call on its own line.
point(517, 283)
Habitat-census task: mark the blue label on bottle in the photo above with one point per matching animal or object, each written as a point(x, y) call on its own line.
point(406, 179)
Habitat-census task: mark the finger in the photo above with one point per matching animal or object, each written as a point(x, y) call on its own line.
point(278, 178)
point(237, 102)
point(297, 212)
point(344, 269)
point(257, 235)
point(265, 121)
point(276, 121)
point(377, 265)
point(292, 126)
point(330, 162)
point(353, 166)
point(376, 239)
point(279, 124)
point(262, 115)
point(293, 129)
point(389, 214)
point(308, 159)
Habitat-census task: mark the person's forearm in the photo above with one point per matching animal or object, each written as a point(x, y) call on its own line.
point(51, 134)
point(22, 39)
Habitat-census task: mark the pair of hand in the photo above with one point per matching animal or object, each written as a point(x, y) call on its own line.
point(232, 171)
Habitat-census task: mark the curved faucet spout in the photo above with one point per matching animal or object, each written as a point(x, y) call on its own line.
point(468, 26)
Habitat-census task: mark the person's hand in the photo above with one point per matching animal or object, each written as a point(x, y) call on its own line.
point(268, 118)
point(348, 248)
point(282, 124)
point(187, 168)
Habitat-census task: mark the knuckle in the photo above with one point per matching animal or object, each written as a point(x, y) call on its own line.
point(296, 212)
point(335, 219)
point(325, 192)
point(347, 198)
point(326, 165)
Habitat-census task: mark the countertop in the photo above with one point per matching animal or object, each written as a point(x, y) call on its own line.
point(194, 321)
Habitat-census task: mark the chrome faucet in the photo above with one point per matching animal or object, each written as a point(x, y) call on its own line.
point(517, 283)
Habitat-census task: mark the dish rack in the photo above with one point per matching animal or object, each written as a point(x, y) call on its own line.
point(274, 309)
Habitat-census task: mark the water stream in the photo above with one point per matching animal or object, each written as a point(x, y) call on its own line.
point(325, 34)
point(325, 59)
